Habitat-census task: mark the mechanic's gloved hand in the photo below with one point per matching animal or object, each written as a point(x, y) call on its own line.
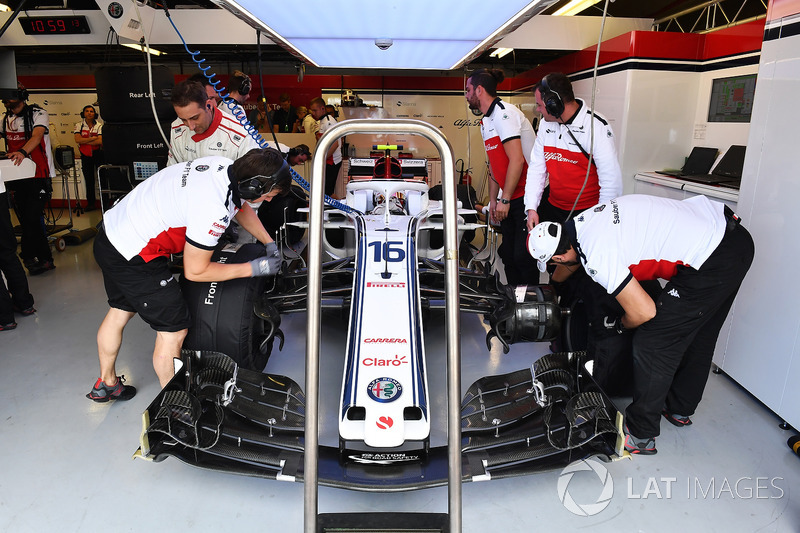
point(266, 266)
point(272, 249)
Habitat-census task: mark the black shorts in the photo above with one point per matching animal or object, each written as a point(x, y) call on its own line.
point(149, 289)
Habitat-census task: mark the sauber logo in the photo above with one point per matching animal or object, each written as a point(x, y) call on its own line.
point(558, 157)
point(376, 361)
point(376, 340)
point(385, 422)
point(390, 284)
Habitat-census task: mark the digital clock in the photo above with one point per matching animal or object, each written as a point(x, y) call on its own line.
point(66, 25)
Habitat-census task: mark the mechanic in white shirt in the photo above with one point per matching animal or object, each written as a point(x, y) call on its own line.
point(183, 208)
point(700, 249)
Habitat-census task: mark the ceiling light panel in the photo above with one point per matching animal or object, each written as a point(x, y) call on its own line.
point(426, 34)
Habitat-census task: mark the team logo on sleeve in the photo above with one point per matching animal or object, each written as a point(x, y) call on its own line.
point(599, 208)
point(201, 168)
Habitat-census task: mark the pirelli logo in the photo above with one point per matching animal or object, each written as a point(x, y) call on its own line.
point(387, 284)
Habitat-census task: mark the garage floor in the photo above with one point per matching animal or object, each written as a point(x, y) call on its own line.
point(66, 466)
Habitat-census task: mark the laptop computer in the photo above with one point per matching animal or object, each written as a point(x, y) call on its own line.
point(699, 161)
point(728, 170)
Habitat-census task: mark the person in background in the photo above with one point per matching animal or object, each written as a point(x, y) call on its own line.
point(89, 137)
point(185, 209)
point(14, 292)
point(284, 120)
point(202, 129)
point(302, 113)
point(332, 111)
point(239, 86)
point(508, 138)
point(699, 247)
point(26, 129)
point(309, 124)
point(333, 160)
point(202, 80)
point(259, 117)
point(561, 153)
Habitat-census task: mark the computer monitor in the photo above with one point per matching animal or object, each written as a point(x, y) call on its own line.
point(732, 99)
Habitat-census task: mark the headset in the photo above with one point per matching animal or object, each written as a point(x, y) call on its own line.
point(258, 186)
point(96, 114)
point(553, 103)
point(23, 93)
point(245, 85)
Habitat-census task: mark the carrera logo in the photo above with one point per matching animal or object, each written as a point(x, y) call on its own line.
point(375, 361)
point(390, 284)
point(558, 157)
point(219, 226)
point(385, 341)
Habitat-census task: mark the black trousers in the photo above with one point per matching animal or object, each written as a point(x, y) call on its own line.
point(519, 266)
point(331, 176)
point(89, 168)
point(672, 353)
point(29, 202)
point(11, 269)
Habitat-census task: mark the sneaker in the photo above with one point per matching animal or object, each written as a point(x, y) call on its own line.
point(677, 420)
point(637, 446)
point(103, 393)
point(24, 312)
point(41, 267)
point(8, 327)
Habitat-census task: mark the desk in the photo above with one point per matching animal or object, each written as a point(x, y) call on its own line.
point(678, 189)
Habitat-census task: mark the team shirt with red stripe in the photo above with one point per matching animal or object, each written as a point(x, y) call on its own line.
point(41, 154)
point(225, 137)
point(502, 123)
point(188, 202)
point(647, 237)
point(557, 156)
point(86, 131)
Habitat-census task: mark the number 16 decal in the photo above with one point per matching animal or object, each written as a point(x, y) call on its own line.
point(391, 251)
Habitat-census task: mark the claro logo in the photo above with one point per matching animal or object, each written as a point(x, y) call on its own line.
point(376, 361)
point(385, 341)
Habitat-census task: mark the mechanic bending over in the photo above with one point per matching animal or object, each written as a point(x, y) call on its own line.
point(700, 248)
point(183, 208)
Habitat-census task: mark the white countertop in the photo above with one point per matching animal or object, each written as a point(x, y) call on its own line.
point(714, 191)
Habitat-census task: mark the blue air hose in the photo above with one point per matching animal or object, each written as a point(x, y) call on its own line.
point(238, 113)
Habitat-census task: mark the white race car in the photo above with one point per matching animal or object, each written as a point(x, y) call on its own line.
point(222, 412)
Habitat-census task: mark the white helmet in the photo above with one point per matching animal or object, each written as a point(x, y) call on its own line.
point(543, 241)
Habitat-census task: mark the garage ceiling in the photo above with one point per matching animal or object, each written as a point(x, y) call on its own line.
point(695, 15)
